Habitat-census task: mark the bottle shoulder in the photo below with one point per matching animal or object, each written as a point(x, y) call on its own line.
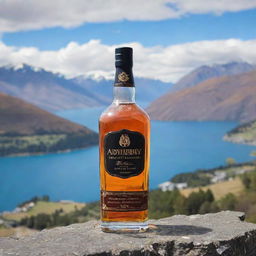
point(124, 111)
point(143, 112)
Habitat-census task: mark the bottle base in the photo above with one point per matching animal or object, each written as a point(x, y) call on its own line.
point(124, 227)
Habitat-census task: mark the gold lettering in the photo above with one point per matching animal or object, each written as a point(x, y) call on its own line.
point(125, 152)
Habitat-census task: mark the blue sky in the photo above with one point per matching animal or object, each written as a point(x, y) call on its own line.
point(190, 28)
point(169, 37)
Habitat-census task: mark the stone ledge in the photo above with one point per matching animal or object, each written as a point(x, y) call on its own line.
point(224, 233)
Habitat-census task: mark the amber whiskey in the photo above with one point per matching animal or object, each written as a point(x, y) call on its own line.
point(124, 154)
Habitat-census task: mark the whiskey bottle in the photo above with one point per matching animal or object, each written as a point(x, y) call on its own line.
point(124, 154)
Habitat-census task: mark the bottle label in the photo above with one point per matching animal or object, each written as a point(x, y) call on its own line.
point(124, 153)
point(123, 201)
point(124, 77)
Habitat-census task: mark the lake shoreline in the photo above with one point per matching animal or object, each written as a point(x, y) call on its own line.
point(47, 153)
point(239, 140)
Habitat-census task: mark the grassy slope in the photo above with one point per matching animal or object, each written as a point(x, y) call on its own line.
point(220, 189)
point(19, 117)
point(40, 207)
point(44, 207)
point(25, 128)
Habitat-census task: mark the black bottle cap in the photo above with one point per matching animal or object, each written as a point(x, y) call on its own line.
point(123, 57)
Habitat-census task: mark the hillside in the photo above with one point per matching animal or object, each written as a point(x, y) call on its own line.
point(245, 134)
point(45, 89)
point(231, 98)
point(54, 92)
point(25, 128)
point(206, 72)
point(219, 190)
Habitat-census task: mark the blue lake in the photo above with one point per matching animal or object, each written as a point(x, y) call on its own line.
point(175, 147)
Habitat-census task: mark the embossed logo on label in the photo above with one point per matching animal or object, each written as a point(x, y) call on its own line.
point(123, 77)
point(124, 140)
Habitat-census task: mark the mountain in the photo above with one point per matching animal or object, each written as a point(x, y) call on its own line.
point(147, 90)
point(45, 89)
point(54, 92)
point(25, 128)
point(223, 98)
point(245, 134)
point(206, 72)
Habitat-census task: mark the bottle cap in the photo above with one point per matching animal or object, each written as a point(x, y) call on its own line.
point(123, 57)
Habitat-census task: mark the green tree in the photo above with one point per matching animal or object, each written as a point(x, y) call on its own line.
point(209, 197)
point(180, 205)
point(42, 221)
point(163, 204)
point(196, 199)
point(208, 207)
point(246, 180)
point(194, 179)
point(205, 207)
point(249, 180)
point(31, 222)
point(228, 202)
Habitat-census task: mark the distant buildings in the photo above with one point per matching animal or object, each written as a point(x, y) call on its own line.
point(215, 177)
point(24, 208)
point(169, 186)
point(166, 186)
point(219, 176)
point(181, 185)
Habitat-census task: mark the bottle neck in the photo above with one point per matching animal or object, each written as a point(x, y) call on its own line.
point(124, 90)
point(124, 95)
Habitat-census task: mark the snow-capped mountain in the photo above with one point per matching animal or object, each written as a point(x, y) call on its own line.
point(54, 92)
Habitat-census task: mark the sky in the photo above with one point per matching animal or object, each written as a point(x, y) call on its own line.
point(169, 37)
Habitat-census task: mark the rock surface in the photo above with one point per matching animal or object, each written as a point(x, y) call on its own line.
point(224, 233)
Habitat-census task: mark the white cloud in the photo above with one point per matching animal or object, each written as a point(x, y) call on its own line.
point(16, 15)
point(165, 63)
point(212, 6)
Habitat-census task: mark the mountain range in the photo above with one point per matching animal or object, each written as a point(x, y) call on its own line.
point(54, 92)
point(205, 72)
point(217, 92)
point(231, 98)
point(147, 90)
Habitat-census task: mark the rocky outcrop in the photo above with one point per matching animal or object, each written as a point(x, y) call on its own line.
point(223, 233)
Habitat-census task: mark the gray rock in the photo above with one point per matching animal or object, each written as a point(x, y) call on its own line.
point(224, 233)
